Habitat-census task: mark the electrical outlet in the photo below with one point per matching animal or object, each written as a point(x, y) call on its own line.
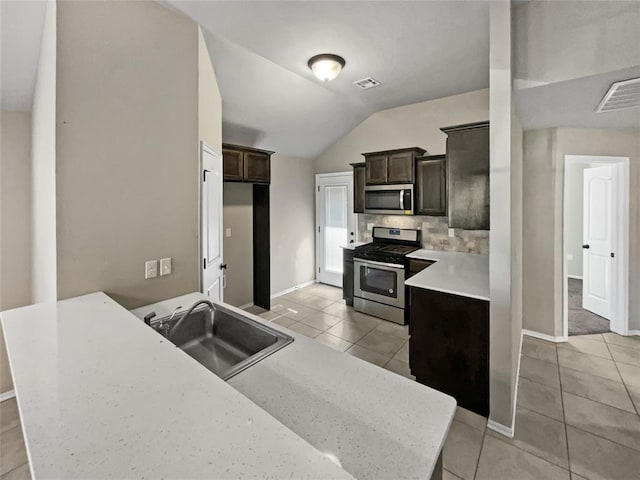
point(150, 269)
point(370, 226)
point(227, 232)
point(165, 266)
point(452, 232)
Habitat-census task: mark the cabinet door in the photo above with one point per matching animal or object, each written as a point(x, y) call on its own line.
point(431, 185)
point(449, 346)
point(347, 276)
point(376, 169)
point(233, 165)
point(257, 167)
point(358, 188)
point(468, 172)
point(400, 167)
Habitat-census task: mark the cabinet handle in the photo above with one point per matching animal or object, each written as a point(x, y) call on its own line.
point(586, 246)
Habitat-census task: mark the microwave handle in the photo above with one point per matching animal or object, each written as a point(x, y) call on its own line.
point(401, 199)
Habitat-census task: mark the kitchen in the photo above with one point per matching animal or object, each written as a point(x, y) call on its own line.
point(108, 397)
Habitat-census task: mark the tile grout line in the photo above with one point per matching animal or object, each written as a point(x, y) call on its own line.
point(484, 435)
point(564, 416)
point(626, 388)
point(546, 460)
point(15, 468)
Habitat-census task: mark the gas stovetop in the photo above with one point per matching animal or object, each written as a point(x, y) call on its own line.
point(385, 248)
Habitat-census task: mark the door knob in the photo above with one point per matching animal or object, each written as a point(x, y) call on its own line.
point(586, 245)
point(223, 266)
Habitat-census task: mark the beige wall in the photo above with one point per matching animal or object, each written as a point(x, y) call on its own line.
point(15, 209)
point(238, 248)
point(127, 150)
point(43, 165)
point(543, 207)
point(416, 125)
point(292, 222)
point(209, 99)
point(15, 221)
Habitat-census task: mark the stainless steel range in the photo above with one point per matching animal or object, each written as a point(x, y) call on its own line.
point(379, 273)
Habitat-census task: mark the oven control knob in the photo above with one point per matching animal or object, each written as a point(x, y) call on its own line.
point(391, 290)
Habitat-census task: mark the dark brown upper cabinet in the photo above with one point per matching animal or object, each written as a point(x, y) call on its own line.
point(431, 185)
point(245, 164)
point(468, 175)
point(391, 166)
point(358, 186)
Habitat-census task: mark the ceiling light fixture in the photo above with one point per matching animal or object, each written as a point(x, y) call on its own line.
point(326, 66)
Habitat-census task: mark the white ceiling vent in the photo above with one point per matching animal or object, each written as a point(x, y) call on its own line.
point(367, 83)
point(621, 95)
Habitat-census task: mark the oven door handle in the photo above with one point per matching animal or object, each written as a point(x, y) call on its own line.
point(382, 264)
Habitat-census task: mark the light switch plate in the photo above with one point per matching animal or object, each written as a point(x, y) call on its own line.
point(227, 232)
point(570, 257)
point(165, 266)
point(150, 269)
point(452, 232)
point(370, 226)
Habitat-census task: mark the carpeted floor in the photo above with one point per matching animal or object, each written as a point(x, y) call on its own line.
point(581, 321)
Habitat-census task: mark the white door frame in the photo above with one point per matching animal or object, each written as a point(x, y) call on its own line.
point(619, 321)
point(317, 236)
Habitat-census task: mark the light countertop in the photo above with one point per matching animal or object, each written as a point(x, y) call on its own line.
point(103, 396)
point(378, 424)
point(352, 246)
point(464, 274)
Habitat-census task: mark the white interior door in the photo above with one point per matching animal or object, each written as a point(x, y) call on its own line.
point(211, 206)
point(598, 240)
point(335, 224)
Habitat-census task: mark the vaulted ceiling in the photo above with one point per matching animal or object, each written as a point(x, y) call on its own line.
point(417, 50)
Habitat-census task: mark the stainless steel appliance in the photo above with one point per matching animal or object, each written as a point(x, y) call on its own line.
point(389, 199)
point(379, 273)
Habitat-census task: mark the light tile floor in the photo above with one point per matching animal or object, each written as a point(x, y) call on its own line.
point(578, 402)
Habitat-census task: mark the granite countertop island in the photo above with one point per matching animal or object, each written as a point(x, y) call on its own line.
point(464, 274)
point(101, 395)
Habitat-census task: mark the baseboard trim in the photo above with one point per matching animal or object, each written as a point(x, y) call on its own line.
point(7, 395)
point(544, 336)
point(633, 332)
point(501, 429)
point(289, 290)
point(575, 277)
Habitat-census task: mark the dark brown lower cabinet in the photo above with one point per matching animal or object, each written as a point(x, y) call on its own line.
point(347, 276)
point(449, 346)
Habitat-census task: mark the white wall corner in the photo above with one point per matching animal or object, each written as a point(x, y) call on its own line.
point(544, 336)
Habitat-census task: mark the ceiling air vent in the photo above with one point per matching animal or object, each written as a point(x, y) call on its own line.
point(367, 83)
point(621, 95)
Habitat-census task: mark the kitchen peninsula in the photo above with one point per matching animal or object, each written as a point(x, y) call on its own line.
point(449, 326)
point(101, 395)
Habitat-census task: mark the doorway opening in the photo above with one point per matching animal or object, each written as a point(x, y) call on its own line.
point(595, 245)
point(335, 224)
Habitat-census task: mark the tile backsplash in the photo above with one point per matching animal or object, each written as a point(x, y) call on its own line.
point(435, 232)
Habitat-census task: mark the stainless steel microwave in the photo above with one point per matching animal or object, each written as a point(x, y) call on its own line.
point(389, 199)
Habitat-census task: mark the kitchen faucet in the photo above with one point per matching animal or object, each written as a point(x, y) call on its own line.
point(212, 309)
point(163, 327)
